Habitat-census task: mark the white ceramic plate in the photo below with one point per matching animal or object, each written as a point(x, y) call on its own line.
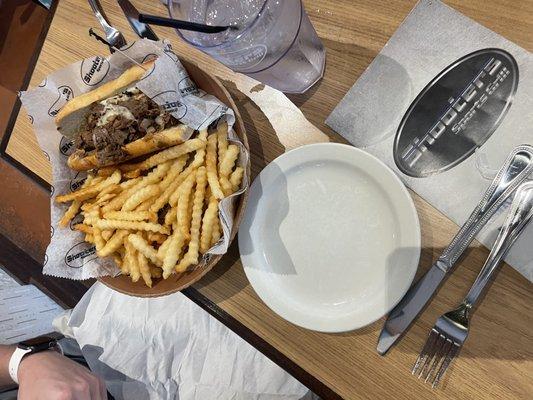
point(330, 239)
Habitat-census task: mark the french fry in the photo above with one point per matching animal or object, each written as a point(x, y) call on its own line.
point(133, 225)
point(129, 183)
point(114, 243)
point(143, 247)
point(216, 233)
point(137, 198)
point(157, 237)
point(226, 165)
point(92, 215)
point(86, 206)
point(89, 238)
point(153, 177)
point(170, 216)
point(114, 188)
point(208, 223)
point(131, 215)
point(98, 239)
point(84, 228)
point(226, 186)
point(132, 174)
point(106, 171)
point(175, 169)
point(191, 257)
point(183, 204)
point(162, 250)
point(236, 178)
point(144, 269)
point(104, 199)
point(145, 206)
point(222, 139)
point(126, 260)
point(71, 212)
point(106, 234)
point(166, 155)
point(88, 192)
point(199, 157)
point(173, 253)
point(211, 165)
point(169, 184)
point(135, 271)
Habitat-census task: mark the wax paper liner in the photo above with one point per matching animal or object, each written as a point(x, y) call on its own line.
point(169, 85)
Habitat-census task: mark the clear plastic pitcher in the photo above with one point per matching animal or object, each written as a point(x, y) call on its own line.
point(272, 41)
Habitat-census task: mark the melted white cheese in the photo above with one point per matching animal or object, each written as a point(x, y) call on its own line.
point(111, 111)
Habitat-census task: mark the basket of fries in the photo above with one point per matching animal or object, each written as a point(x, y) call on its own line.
point(158, 210)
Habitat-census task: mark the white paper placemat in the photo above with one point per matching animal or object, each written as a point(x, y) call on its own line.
point(432, 37)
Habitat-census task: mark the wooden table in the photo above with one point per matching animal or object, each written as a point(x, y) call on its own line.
point(497, 361)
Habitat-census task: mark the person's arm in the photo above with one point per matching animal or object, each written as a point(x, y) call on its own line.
point(49, 375)
point(5, 355)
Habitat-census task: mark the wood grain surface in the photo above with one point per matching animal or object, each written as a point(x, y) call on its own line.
point(497, 361)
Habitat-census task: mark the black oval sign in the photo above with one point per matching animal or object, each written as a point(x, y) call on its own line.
point(456, 113)
point(80, 254)
point(170, 102)
point(77, 181)
point(66, 146)
point(94, 70)
point(65, 93)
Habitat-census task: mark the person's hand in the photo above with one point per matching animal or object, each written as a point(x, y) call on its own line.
point(50, 376)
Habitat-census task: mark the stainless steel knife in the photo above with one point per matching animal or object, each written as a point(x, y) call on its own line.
point(132, 15)
point(514, 171)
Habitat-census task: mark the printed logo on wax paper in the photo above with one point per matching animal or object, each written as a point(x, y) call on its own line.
point(46, 155)
point(94, 70)
point(30, 118)
point(65, 93)
point(80, 254)
point(170, 102)
point(66, 146)
point(77, 181)
point(43, 83)
point(52, 190)
point(170, 53)
point(456, 113)
point(78, 219)
point(186, 86)
point(45, 260)
point(52, 230)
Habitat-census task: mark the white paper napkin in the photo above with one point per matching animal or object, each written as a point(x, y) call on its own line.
point(169, 348)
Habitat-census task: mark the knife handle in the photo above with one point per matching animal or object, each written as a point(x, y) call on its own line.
point(518, 218)
point(517, 167)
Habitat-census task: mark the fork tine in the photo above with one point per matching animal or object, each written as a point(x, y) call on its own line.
point(422, 358)
point(440, 356)
point(454, 349)
point(435, 357)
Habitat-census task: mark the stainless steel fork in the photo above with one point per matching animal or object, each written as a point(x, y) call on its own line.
point(113, 35)
point(451, 330)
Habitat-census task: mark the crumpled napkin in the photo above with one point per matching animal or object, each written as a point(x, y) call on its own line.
point(169, 348)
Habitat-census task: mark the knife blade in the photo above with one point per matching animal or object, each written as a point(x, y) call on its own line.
point(409, 307)
point(132, 15)
point(516, 169)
